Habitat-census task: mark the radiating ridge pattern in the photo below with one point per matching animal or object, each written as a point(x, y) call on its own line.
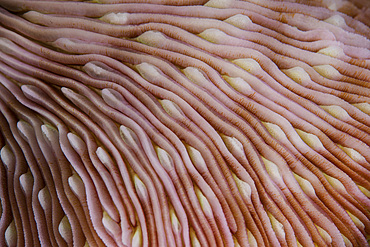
point(185, 123)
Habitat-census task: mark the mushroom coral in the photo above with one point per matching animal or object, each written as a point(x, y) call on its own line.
point(185, 123)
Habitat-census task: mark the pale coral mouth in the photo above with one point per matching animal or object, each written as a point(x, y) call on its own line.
point(185, 123)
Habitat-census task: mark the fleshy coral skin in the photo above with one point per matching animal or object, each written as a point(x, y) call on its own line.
point(185, 123)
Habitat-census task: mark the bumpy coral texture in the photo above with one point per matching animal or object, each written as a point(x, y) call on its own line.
point(185, 123)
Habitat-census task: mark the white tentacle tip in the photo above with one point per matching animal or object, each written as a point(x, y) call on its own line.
point(275, 131)
point(364, 191)
point(243, 187)
point(213, 35)
point(233, 144)
point(116, 18)
point(336, 20)
point(50, 133)
point(32, 92)
point(65, 230)
point(252, 240)
point(239, 20)
point(77, 186)
point(32, 16)
point(129, 136)
point(297, 74)
point(347, 242)
point(325, 235)
point(276, 226)
point(164, 158)
point(63, 43)
point(239, 84)
point(196, 76)
point(336, 183)
point(7, 157)
point(112, 97)
point(11, 235)
point(172, 108)
point(111, 226)
point(137, 238)
point(141, 189)
point(220, 4)
point(197, 159)
point(364, 107)
point(353, 154)
point(175, 223)
point(103, 156)
point(332, 51)
point(236, 243)
point(336, 111)
point(311, 140)
point(77, 143)
point(94, 70)
point(44, 198)
point(67, 91)
point(206, 207)
point(26, 180)
point(6, 45)
point(327, 71)
point(148, 71)
point(25, 129)
point(152, 38)
point(357, 221)
point(248, 64)
point(305, 185)
point(273, 170)
point(126, 233)
point(194, 240)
